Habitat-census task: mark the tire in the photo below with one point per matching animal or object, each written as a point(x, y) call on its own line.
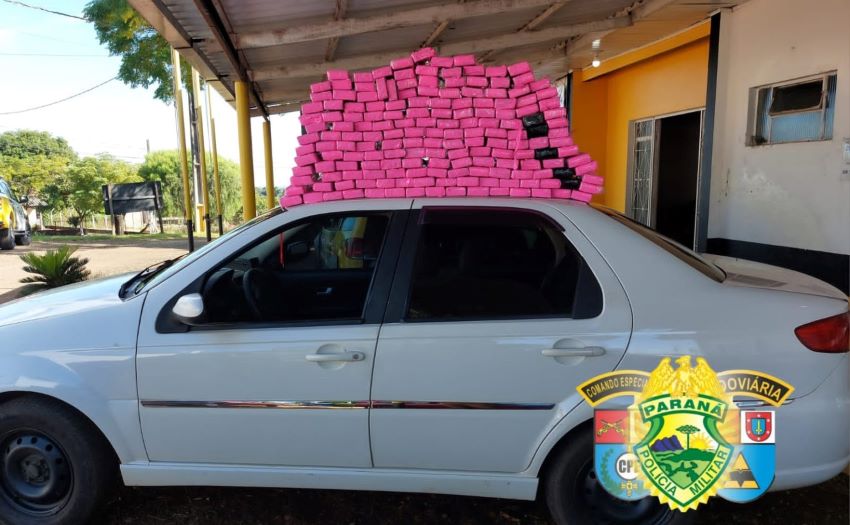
point(7, 239)
point(574, 496)
point(25, 239)
point(54, 465)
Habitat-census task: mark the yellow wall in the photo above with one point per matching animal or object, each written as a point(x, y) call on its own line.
point(603, 107)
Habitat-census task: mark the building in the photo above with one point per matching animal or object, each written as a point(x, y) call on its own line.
point(732, 135)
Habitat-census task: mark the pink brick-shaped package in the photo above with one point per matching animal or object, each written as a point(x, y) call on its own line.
point(426, 125)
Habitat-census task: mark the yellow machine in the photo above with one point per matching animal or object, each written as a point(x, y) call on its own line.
point(14, 225)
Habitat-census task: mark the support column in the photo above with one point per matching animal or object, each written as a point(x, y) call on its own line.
point(267, 147)
point(216, 178)
point(181, 148)
point(202, 156)
point(246, 156)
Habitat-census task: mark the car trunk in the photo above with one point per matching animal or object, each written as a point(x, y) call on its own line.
point(741, 272)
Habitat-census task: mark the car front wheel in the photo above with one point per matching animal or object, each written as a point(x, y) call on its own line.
point(54, 467)
point(574, 495)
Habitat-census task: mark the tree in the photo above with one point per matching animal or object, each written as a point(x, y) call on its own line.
point(687, 430)
point(30, 160)
point(27, 143)
point(164, 166)
point(80, 190)
point(145, 55)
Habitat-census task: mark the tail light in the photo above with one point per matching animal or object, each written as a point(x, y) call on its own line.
point(830, 334)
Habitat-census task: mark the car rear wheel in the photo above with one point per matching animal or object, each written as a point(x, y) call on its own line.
point(54, 467)
point(575, 496)
point(7, 239)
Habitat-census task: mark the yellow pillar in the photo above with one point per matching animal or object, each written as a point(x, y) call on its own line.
point(246, 157)
point(267, 146)
point(202, 160)
point(181, 145)
point(216, 179)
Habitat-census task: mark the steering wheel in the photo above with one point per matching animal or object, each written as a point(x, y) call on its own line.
point(263, 294)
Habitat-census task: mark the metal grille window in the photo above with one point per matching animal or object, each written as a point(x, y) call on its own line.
point(794, 111)
point(643, 171)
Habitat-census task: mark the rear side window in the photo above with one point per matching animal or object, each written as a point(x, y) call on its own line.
point(495, 264)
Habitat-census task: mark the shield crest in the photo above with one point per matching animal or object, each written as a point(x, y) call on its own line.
point(753, 468)
point(615, 465)
point(683, 454)
point(758, 426)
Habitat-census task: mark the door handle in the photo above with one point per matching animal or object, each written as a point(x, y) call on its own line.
point(586, 351)
point(330, 358)
point(326, 291)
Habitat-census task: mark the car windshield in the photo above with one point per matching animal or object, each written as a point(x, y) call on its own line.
point(684, 254)
point(166, 269)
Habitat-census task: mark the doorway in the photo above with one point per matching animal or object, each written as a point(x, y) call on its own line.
point(664, 170)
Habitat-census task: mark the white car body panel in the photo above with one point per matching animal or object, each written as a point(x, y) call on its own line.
point(77, 344)
point(82, 344)
point(489, 362)
point(254, 364)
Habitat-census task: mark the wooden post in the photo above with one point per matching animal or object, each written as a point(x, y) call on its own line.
point(111, 212)
point(157, 207)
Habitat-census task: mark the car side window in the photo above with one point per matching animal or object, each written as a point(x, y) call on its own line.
point(319, 269)
point(498, 263)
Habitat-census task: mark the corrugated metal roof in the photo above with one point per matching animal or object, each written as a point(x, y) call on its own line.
point(281, 46)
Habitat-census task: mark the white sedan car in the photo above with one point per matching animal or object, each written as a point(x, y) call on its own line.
point(397, 345)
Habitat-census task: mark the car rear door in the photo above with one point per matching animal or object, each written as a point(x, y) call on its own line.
point(498, 311)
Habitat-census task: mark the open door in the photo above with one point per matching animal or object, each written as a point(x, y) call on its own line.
point(664, 174)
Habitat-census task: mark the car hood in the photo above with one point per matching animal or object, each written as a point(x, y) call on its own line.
point(741, 272)
point(74, 298)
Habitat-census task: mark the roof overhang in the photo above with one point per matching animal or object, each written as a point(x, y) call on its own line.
point(281, 47)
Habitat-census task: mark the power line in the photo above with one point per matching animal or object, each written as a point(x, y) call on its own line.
point(53, 55)
point(60, 100)
point(38, 8)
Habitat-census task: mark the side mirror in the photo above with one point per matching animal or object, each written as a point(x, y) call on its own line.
point(24, 200)
point(189, 308)
point(297, 250)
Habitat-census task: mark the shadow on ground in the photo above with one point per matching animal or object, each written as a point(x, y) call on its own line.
point(824, 504)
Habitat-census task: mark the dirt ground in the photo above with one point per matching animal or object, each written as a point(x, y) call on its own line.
point(825, 504)
point(105, 257)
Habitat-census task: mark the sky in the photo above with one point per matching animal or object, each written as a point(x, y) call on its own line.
point(46, 57)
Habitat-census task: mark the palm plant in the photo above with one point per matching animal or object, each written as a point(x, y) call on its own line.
point(52, 269)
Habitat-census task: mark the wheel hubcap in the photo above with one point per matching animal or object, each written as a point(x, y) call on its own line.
point(606, 508)
point(36, 473)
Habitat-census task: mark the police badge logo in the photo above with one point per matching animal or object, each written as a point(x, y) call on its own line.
point(683, 453)
point(683, 439)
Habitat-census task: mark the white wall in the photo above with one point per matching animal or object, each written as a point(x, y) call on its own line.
point(793, 194)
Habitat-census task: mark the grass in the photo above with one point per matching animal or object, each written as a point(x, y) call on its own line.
point(105, 237)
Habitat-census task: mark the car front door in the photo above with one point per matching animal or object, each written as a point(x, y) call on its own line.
point(278, 370)
point(495, 316)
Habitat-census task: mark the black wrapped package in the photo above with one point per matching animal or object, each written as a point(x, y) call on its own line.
point(533, 120)
point(564, 173)
point(540, 130)
point(570, 184)
point(546, 153)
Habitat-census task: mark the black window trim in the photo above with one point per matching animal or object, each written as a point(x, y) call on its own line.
point(376, 297)
point(399, 297)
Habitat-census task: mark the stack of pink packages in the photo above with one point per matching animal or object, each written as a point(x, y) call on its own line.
point(432, 126)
